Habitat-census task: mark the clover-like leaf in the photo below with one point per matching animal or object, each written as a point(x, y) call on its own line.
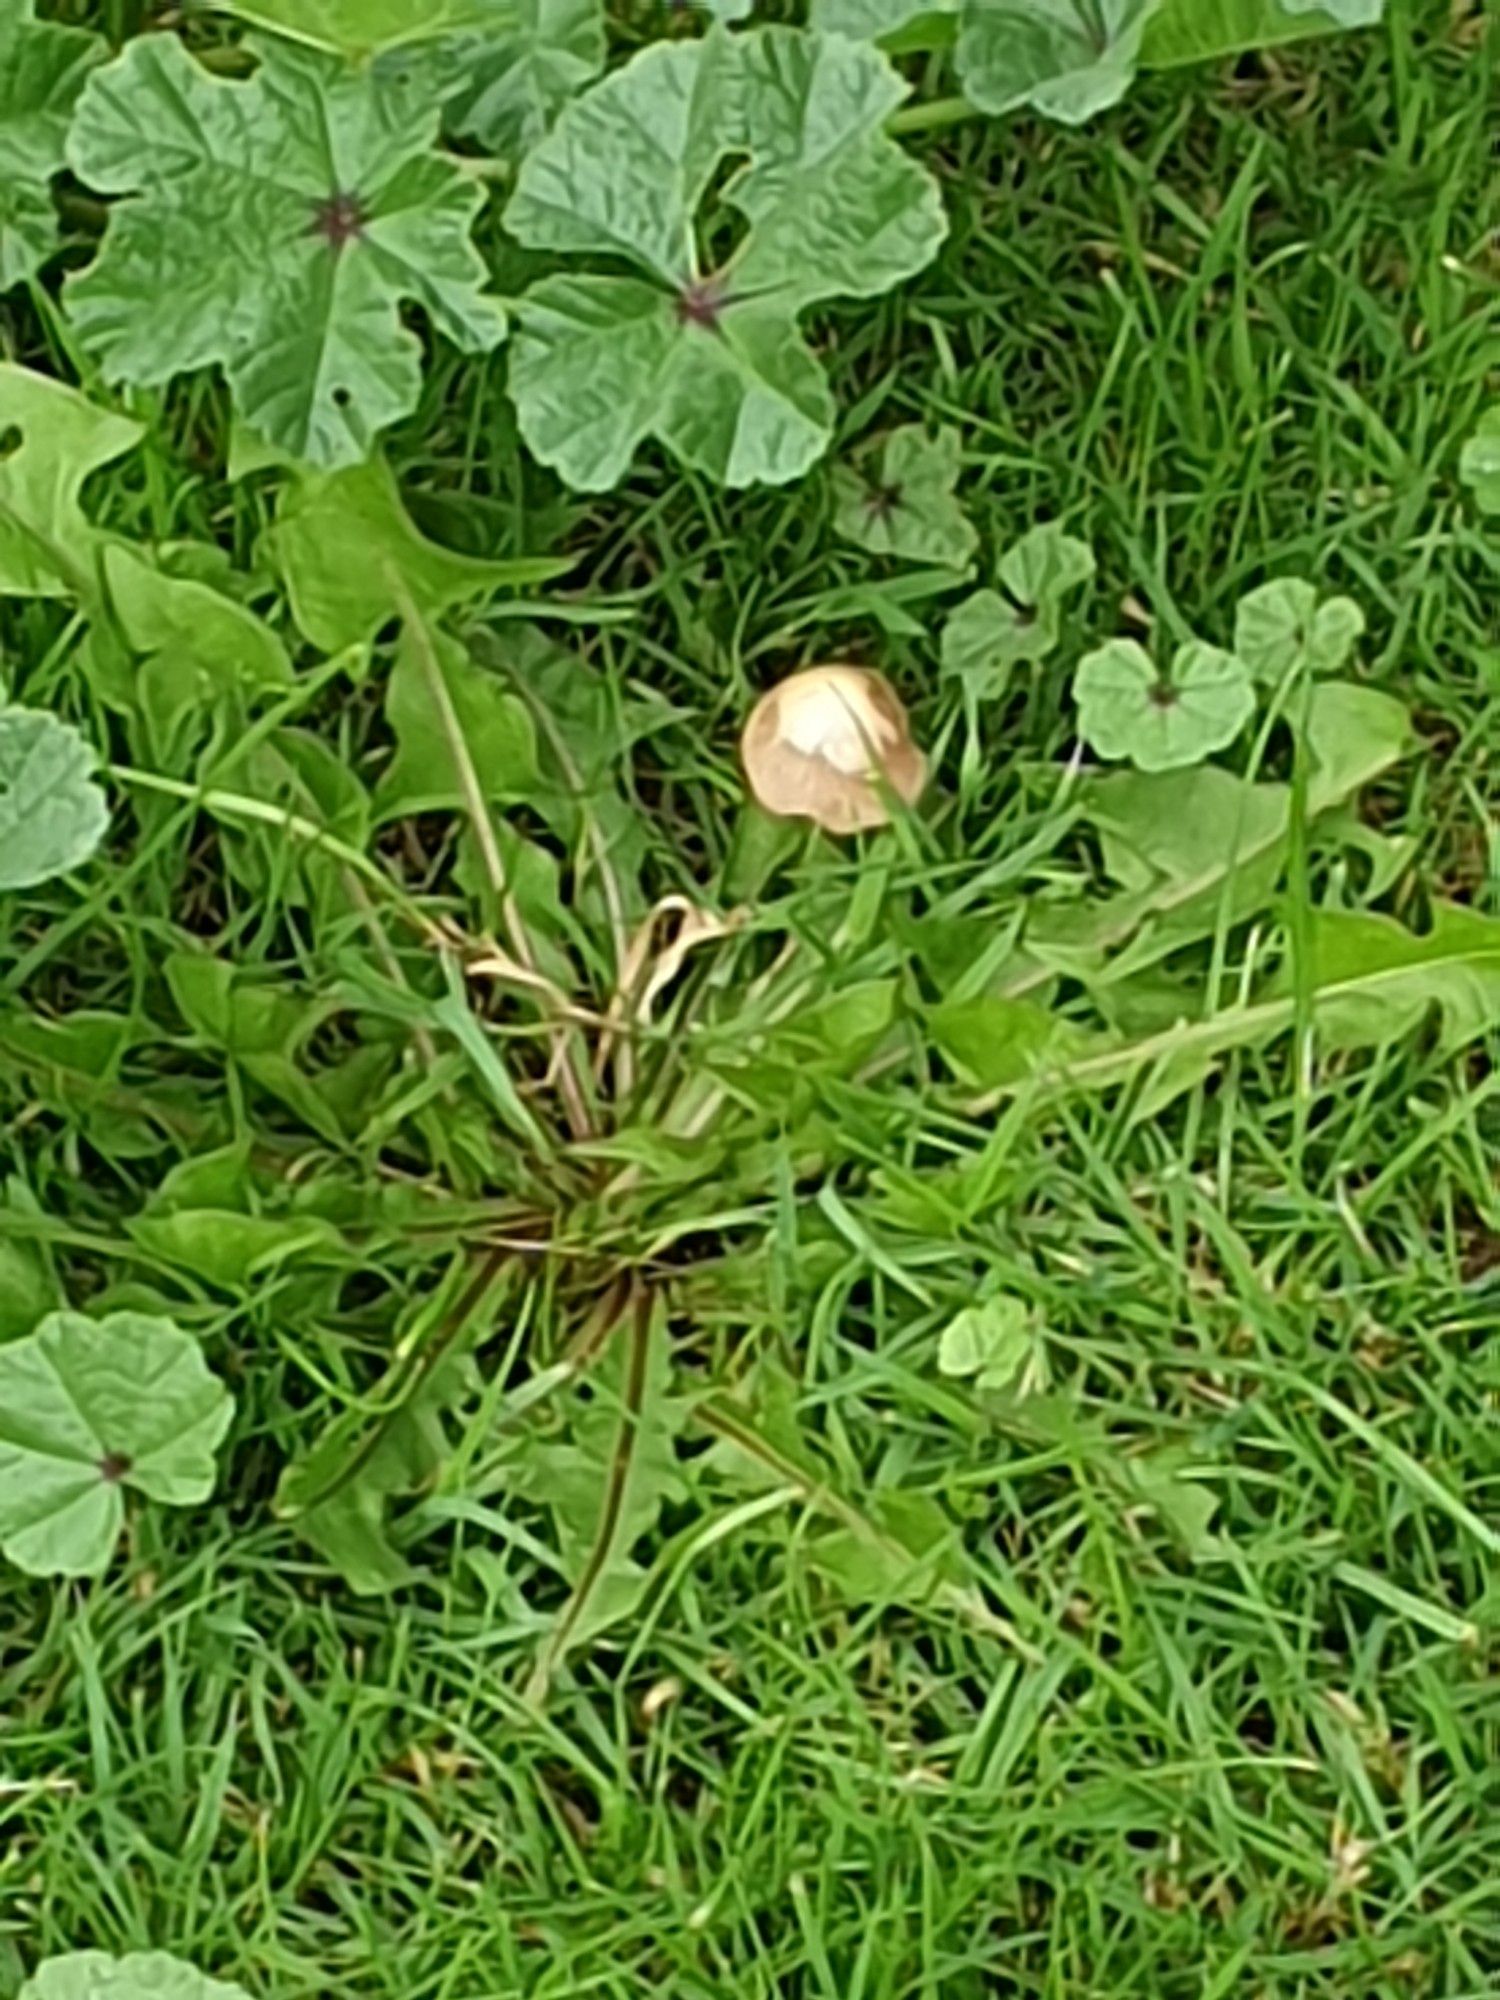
point(910, 509)
point(1479, 465)
point(1067, 58)
point(506, 89)
point(140, 1975)
point(705, 355)
point(993, 630)
point(87, 1409)
point(56, 438)
point(992, 1342)
point(1125, 710)
point(358, 29)
point(52, 814)
point(1281, 628)
point(287, 218)
point(43, 68)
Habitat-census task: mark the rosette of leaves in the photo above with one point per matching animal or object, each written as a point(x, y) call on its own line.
point(43, 68)
point(288, 218)
point(663, 337)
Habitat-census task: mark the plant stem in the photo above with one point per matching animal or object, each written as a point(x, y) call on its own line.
point(933, 117)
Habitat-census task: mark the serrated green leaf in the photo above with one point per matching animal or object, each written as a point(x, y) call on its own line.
point(141, 1975)
point(289, 217)
point(55, 438)
point(52, 813)
point(43, 68)
point(358, 29)
point(87, 1409)
point(1068, 59)
point(1125, 710)
point(1189, 31)
point(508, 87)
point(1479, 464)
point(1281, 629)
point(909, 508)
point(710, 362)
point(339, 539)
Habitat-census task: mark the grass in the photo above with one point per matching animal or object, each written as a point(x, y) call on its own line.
point(1240, 328)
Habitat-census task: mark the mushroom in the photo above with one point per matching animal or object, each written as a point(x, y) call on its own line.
point(833, 744)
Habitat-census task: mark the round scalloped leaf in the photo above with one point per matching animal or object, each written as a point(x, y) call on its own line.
point(709, 361)
point(288, 218)
point(1281, 627)
point(507, 89)
point(1125, 710)
point(142, 1975)
point(52, 814)
point(87, 1409)
point(1067, 58)
point(909, 508)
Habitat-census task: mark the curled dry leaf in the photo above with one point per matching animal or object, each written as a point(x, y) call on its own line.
point(833, 744)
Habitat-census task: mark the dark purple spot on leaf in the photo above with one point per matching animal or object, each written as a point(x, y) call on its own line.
point(701, 303)
point(113, 1467)
point(339, 220)
point(882, 501)
point(1163, 696)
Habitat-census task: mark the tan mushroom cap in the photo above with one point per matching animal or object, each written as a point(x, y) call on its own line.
point(833, 744)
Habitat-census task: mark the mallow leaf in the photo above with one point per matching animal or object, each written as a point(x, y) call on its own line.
point(908, 507)
point(57, 439)
point(703, 353)
point(505, 89)
point(52, 814)
point(1479, 466)
point(1281, 629)
point(895, 23)
point(357, 29)
point(87, 1409)
point(1127, 710)
point(993, 630)
point(288, 218)
point(43, 68)
point(1066, 58)
point(140, 1975)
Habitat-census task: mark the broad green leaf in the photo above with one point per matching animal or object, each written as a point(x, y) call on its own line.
point(52, 813)
point(994, 1041)
point(55, 438)
point(1126, 711)
point(140, 1975)
point(1189, 31)
point(43, 69)
point(1479, 466)
point(1282, 629)
point(994, 629)
point(361, 28)
point(87, 1409)
point(509, 87)
point(201, 627)
point(231, 1249)
point(475, 714)
point(1067, 58)
point(339, 540)
point(289, 218)
point(909, 507)
point(992, 1342)
point(709, 360)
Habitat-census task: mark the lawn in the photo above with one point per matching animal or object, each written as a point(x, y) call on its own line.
point(618, 1581)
